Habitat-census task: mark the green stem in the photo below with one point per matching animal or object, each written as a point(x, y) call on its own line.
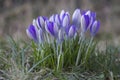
point(59, 58)
point(78, 56)
point(87, 52)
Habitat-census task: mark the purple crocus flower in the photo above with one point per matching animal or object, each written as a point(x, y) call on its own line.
point(76, 18)
point(72, 31)
point(51, 28)
point(60, 27)
point(92, 17)
point(58, 20)
point(95, 27)
point(32, 33)
point(84, 23)
point(65, 19)
point(40, 22)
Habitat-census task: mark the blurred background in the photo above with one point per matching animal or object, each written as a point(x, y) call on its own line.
point(17, 15)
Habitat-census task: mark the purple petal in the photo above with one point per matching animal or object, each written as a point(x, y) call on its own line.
point(66, 21)
point(40, 22)
point(58, 20)
point(62, 14)
point(84, 22)
point(92, 17)
point(45, 18)
point(56, 29)
point(72, 31)
point(31, 32)
point(49, 27)
point(93, 14)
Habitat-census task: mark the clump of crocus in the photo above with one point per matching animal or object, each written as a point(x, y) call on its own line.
point(60, 28)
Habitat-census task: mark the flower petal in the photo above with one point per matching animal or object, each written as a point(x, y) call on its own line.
point(52, 18)
point(57, 19)
point(40, 22)
point(56, 29)
point(62, 14)
point(31, 32)
point(84, 22)
point(49, 27)
point(72, 31)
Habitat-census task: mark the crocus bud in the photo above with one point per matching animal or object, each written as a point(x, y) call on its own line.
point(66, 20)
point(57, 19)
point(32, 33)
point(95, 27)
point(72, 31)
point(40, 22)
point(49, 27)
point(84, 23)
point(76, 17)
point(92, 17)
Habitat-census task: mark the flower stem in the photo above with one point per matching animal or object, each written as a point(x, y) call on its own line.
point(59, 58)
point(78, 56)
point(87, 52)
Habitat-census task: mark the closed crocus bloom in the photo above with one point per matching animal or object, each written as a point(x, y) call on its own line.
point(84, 23)
point(92, 17)
point(95, 27)
point(66, 20)
point(40, 21)
point(32, 33)
point(58, 20)
point(49, 27)
point(72, 31)
point(76, 17)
